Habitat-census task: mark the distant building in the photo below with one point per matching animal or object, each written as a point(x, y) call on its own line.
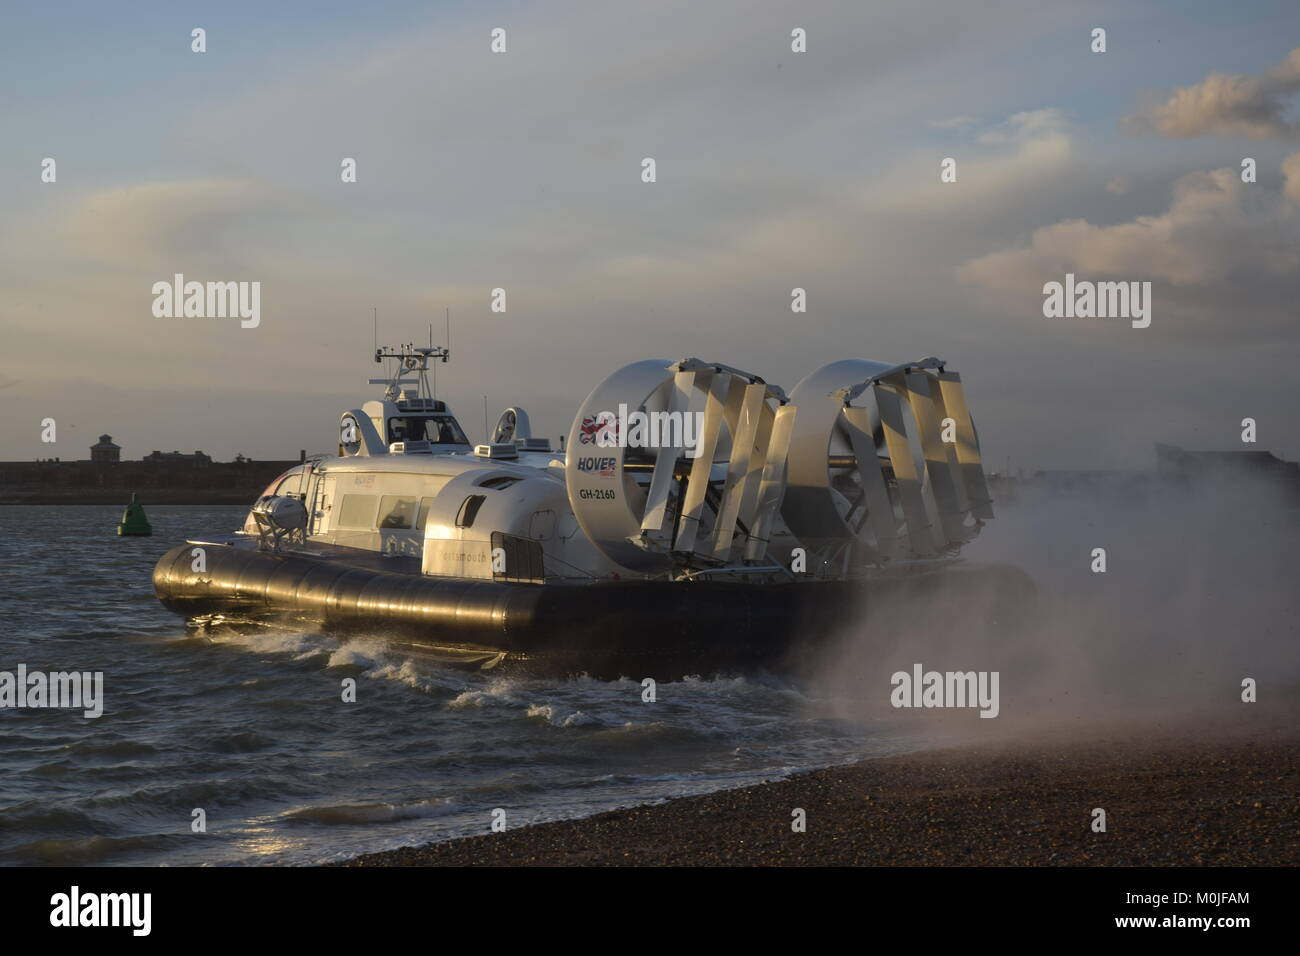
point(196, 460)
point(160, 478)
point(105, 450)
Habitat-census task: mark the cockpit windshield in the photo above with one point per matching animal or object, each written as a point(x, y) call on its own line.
point(436, 429)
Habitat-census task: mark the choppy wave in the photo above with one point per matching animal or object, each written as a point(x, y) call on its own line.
point(87, 851)
point(367, 813)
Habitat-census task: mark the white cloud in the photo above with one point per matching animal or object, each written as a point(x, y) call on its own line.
point(955, 122)
point(1227, 105)
point(1026, 126)
point(1291, 174)
point(155, 222)
point(1224, 257)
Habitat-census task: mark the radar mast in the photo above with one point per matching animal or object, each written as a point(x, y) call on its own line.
point(404, 362)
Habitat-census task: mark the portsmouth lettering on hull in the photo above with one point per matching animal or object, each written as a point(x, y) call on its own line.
point(688, 498)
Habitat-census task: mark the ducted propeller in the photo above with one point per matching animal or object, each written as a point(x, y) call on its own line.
point(677, 465)
point(694, 465)
point(886, 457)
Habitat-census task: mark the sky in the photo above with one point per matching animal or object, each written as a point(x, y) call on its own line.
point(522, 170)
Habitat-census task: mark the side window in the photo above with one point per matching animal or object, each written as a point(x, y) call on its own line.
point(290, 485)
point(357, 512)
point(396, 512)
point(469, 510)
point(425, 505)
point(283, 486)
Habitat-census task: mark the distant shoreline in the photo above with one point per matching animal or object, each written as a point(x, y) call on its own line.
point(1173, 797)
point(146, 498)
point(162, 482)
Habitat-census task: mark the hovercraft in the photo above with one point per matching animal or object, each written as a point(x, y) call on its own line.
point(697, 518)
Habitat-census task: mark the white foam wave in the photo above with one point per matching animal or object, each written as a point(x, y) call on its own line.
point(557, 716)
point(298, 645)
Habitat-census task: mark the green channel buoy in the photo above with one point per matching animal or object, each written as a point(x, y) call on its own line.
point(134, 520)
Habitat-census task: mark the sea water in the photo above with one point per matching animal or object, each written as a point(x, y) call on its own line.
point(224, 748)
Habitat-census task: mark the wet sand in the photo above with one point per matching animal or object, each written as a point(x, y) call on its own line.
point(1173, 795)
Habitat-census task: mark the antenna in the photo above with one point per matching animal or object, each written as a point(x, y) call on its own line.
point(486, 436)
point(447, 346)
point(376, 311)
